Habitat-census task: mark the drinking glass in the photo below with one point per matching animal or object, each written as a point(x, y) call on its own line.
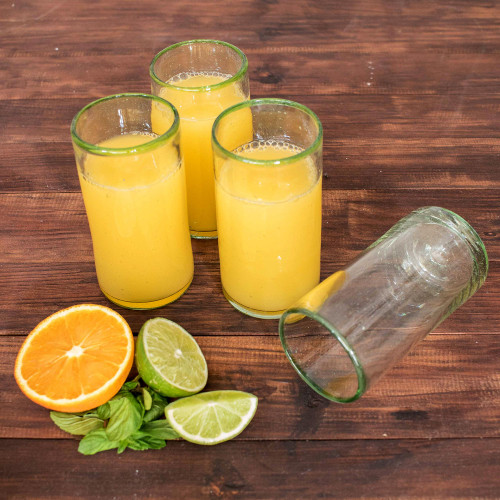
point(201, 78)
point(344, 334)
point(268, 169)
point(133, 185)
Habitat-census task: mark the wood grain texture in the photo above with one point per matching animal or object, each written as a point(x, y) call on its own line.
point(41, 227)
point(347, 164)
point(409, 97)
point(47, 261)
point(361, 26)
point(449, 386)
point(31, 294)
point(408, 141)
point(370, 74)
point(346, 470)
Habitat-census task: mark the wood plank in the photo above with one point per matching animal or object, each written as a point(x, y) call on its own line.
point(361, 122)
point(414, 469)
point(348, 164)
point(47, 262)
point(370, 141)
point(31, 293)
point(361, 26)
point(47, 227)
point(452, 77)
point(448, 386)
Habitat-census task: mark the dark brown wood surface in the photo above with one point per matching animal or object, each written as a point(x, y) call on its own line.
point(409, 96)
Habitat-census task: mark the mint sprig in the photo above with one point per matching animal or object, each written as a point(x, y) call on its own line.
point(125, 417)
point(76, 423)
point(134, 418)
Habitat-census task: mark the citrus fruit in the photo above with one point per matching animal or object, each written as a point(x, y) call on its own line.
point(76, 359)
point(169, 359)
point(211, 417)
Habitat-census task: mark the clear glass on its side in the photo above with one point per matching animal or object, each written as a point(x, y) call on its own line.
point(344, 334)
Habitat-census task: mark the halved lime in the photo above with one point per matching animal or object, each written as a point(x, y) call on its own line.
point(211, 417)
point(169, 359)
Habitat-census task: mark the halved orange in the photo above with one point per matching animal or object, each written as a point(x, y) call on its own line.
point(76, 359)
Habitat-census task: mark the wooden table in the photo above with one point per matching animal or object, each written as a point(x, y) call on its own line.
point(409, 96)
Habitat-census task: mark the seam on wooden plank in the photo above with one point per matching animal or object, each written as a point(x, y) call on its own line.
point(240, 336)
point(296, 439)
point(492, 187)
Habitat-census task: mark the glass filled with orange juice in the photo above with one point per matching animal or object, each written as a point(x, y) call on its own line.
point(201, 78)
point(268, 170)
point(133, 185)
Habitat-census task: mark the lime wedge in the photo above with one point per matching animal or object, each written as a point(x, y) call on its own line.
point(169, 359)
point(211, 417)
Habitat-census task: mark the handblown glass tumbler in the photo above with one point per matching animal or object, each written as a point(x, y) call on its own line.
point(132, 179)
point(201, 78)
point(268, 166)
point(345, 333)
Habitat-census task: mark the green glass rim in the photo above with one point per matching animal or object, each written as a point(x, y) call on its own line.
point(204, 88)
point(269, 101)
point(141, 148)
point(360, 373)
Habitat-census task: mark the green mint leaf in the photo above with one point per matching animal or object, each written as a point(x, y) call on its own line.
point(82, 413)
point(90, 413)
point(116, 402)
point(122, 446)
point(157, 407)
point(159, 429)
point(129, 386)
point(104, 411)
point(96, 441)
point(146, 399)
point(79, 425)
point(125, 418)
point(143, 441)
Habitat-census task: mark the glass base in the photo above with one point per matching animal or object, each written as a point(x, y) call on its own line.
point(203, 235)
point(255, 313)
point(147, 305)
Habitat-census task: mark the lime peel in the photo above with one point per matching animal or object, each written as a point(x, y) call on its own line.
point(205, 410)
point(169, 359)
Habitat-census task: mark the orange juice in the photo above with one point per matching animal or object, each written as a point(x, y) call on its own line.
point(269, 222)
point(198, 107)
point(136, 207)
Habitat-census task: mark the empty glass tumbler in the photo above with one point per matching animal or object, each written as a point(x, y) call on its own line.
point(133, 185)
point(345, 333)
point(201, 78)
